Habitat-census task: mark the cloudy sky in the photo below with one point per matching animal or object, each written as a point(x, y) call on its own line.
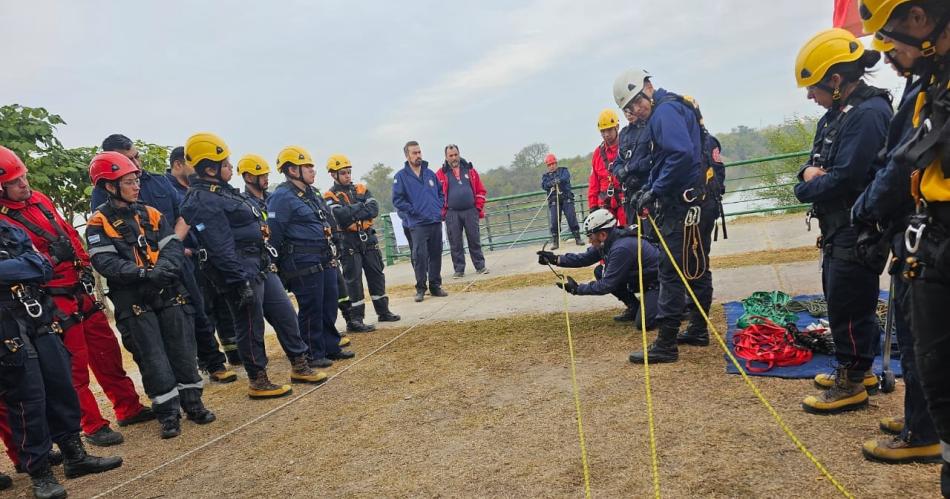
point(362, 78)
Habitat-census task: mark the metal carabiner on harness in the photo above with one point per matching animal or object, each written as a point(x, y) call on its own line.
point(363, 236)
point(686, 195)
point(32, 306)
point(270, 249)
point(808, 216)
point(693, 215)
point(140, 241)
point(610, 191)
point(913, 236)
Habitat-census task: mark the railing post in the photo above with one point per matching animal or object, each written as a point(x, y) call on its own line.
point(389, 247)
point(488, 231)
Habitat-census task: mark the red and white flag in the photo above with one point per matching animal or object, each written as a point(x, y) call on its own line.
point(847, 17)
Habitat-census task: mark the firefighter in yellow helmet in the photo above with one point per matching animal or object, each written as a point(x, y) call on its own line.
point(604, 190)
point(238, 261)
point(920, 33)
point(302, 230)
point(354, 208)
point(831, 66)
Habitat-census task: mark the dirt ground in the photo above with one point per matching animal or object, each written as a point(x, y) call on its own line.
point(485, 409)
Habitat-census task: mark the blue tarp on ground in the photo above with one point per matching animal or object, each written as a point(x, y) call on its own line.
point(818, 364)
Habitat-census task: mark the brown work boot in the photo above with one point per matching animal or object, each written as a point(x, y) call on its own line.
point(847, 394)
point(260, 387)
point(892, 425)
point(899, 451)
point(825, 381)
point(303, 373)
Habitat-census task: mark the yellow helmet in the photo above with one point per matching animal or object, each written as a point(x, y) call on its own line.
point(338, 162)
point(253, 164)
point(876, 13)
point(607, 119)
point(294, 155)
point(824, 50)
point(205, 145)
point(878, 43)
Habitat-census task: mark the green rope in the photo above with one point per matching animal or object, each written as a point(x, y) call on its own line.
point(768, 304)
point(815, 308)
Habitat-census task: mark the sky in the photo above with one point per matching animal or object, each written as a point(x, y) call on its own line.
point(362, 78)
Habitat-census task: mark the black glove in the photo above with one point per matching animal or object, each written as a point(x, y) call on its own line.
point(570, 286)
point(546, 258)
point(645, 201)
point(244, 294)
point(61, 250)
point(162, 277)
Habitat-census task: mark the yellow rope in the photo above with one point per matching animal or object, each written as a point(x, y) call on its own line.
point(654, 462)
point(570, 346)
point(781, 422)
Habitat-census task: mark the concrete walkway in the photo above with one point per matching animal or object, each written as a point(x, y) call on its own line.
point(750, 235)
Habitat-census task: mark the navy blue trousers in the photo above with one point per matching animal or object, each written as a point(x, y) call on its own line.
point(37, 388)
point(317, 296)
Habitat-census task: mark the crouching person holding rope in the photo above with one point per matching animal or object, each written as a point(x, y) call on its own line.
point(845, 156)
point(677, 191)
point(35, 382)
point(617, 248)
point(133, 247)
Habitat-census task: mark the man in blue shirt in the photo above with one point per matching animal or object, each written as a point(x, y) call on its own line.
point(418, 195)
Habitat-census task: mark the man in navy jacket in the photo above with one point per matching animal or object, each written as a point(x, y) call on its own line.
point(418, 195)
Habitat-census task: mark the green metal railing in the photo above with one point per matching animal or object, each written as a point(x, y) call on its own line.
point(523, 218)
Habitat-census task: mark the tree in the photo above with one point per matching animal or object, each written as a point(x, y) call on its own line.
point(379, 181)
point(153, 157)
point(795, 135)
point(60, 173)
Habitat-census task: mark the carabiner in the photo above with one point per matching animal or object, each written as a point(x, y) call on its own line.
point(686, 195)
point(89, 287)
point(270, 249)
point(913, 236)
point(363, 236)
point(808, 216)
point(692, 216)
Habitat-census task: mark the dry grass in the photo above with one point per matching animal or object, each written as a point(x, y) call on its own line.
point(484, 409)
point(770, 257)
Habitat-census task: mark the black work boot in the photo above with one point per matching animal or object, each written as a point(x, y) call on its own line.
point(355, 324)
point(694, 335)
point(194, 407)
point(345, 307)
point(577, 239)
point(555, 242)
point(171, 427)
point(662, 350)
point(629, 315)
point(77, 462)
point(383, 314)
point(104, 437)
point(45, 485)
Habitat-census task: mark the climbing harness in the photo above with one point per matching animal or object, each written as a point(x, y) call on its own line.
point(745, 377)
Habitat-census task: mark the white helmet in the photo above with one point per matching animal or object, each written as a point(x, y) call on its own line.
point(628, 85)
point(599, 220)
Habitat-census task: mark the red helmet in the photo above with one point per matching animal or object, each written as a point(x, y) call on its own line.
point(110, 166)
point(11, 166)
point(550, 159)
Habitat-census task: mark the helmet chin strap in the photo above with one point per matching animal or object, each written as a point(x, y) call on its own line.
point(117, 195)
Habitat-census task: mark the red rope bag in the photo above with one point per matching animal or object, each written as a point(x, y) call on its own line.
point(769, 344)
